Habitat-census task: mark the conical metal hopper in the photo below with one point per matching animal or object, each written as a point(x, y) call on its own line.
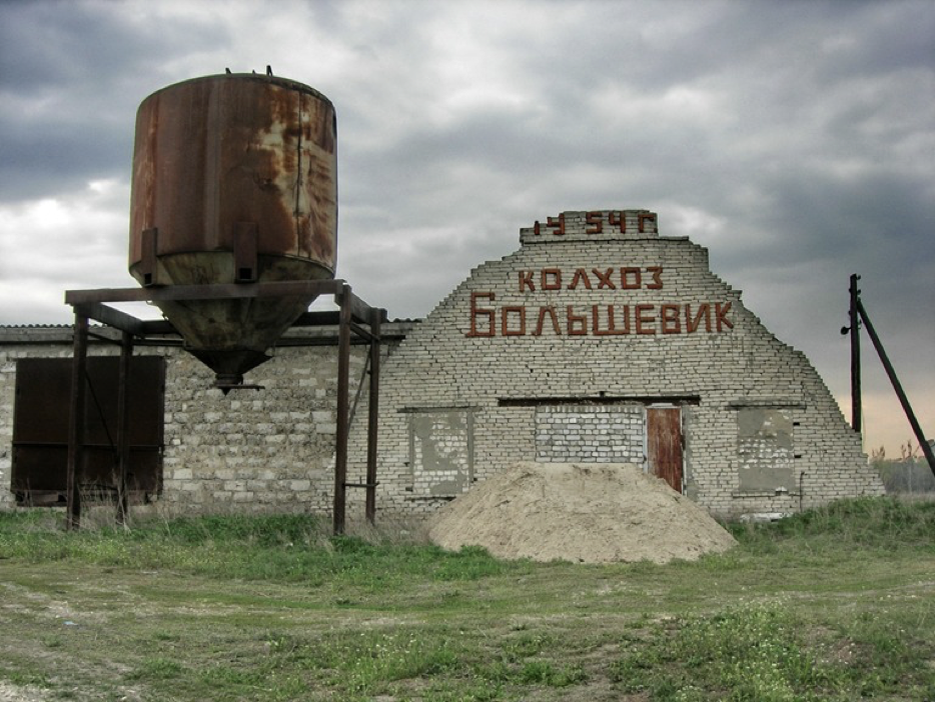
point(234, 181)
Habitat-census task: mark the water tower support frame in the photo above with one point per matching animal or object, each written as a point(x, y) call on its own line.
point(354, 315)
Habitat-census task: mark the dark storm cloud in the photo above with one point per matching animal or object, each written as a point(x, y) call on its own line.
point(795, 140)
point(72, 77)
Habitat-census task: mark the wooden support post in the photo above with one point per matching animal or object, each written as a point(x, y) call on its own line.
point(373, 415)
point(344, 361)
point(123, 427)
point(76, 422)
point(856, 418)
point(897, 386)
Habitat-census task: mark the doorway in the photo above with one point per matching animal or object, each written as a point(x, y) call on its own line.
point(664, 444)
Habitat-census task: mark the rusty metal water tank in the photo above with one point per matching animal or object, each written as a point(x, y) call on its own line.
point(234, 181)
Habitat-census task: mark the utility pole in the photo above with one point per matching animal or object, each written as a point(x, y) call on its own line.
point(856, 419)
point(859, 314)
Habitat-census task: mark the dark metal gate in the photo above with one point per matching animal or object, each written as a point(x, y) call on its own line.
point(664, 444)
point(41, 421)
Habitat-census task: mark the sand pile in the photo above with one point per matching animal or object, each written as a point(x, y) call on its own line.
point(590, 513)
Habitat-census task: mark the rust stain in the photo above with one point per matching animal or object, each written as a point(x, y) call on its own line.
point(215, 151)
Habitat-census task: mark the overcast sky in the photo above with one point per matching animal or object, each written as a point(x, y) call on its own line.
point(795, 140)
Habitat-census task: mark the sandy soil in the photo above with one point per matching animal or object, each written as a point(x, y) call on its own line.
point(589, 513)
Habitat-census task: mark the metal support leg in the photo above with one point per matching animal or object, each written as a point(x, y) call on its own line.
point(123, 428)
point(374, 413)
point(344, 359)
point(76, 422)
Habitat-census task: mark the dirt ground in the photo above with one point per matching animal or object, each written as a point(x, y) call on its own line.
point(588, 513)
point(13, 693)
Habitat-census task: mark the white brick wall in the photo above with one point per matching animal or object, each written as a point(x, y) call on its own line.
point(589, 433)
point(536, 325)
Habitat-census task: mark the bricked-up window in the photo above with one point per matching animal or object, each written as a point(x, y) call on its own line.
point(589, 434)
point(441, 451)
point(765, 449)
point(41, 421)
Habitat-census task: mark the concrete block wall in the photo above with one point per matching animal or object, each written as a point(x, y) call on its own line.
point(534, 329)
point(254, 451)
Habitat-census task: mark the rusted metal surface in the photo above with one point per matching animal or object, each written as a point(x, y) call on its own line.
point(236, 357)
point(664, 444)
point(219, 157)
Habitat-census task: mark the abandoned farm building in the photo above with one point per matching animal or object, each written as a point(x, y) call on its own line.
point(598, 340)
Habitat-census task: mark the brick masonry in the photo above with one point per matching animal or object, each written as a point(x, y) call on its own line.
point(589, 433)
point(553, 353)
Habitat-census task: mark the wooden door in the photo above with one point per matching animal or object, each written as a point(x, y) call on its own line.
point(664, 444)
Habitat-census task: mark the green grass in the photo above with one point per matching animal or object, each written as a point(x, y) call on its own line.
point(286, 548)
point(835, 604)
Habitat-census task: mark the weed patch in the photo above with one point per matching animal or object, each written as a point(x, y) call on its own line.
point(860, 524)
point(750, 653)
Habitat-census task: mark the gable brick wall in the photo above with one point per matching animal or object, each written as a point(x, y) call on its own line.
point(532, 333)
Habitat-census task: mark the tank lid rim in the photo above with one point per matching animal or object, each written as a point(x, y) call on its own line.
point(251, 77)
